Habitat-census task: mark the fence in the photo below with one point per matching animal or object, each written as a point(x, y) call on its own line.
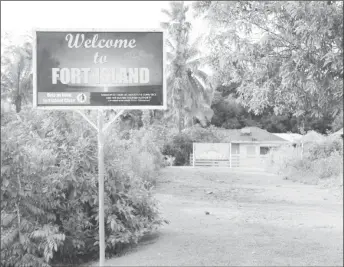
point(210, 162)
point(235, 161)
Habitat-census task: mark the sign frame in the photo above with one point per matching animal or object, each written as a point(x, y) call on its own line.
point(107, 107)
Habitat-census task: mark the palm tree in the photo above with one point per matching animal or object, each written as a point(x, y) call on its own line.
point(16, 73)
point(189, 91)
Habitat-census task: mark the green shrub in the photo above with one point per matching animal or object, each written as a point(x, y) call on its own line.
point(330, 166)
point(180, 145)
point(139, 152)
point(320, 161)
point(180, 148)
point(318, 150)
point(49, 191)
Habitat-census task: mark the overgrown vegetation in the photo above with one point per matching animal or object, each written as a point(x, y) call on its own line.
point(49, 192)
point(320, 162)
point(282, 55)
point(180, 145)
point(291, 79)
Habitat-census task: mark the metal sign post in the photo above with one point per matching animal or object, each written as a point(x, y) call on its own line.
point(101, 130)
point(101, 188)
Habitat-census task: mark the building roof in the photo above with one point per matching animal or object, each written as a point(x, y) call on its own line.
point(336, 135)
point(291, 137)
point(312, 136)
point(251, 134)
point(339, 132)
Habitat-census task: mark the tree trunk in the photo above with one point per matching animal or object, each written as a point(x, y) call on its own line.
point(17, 103)
point(18, 99)
point(179, 121)
point(18, 210)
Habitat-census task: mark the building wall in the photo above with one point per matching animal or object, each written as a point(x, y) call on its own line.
point(243, 155)
point(250, 155)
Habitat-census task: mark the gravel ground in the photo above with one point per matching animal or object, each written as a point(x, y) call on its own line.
point(221, 217)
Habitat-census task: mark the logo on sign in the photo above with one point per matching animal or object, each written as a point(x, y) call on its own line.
point(81, 98)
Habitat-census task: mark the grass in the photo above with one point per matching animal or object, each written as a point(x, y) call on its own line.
point(321, 163)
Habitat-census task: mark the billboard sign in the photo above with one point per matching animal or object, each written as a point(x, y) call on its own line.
point(99, 69)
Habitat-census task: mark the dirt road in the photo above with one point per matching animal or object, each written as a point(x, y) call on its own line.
point(254, 219)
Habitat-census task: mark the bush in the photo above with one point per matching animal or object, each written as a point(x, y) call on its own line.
point(139, 152)
point(318, 150)
point(180, 145)
point(330, 166)
point(49, 191)
point(180, 148)
point(321, 161)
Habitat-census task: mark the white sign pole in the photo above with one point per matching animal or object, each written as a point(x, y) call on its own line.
point(101, 188)
point(101, 170)
point(230, 155)
point(193, 154)
point(101, 129)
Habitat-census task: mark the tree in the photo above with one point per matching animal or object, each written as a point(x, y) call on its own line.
point(188, 86)
point(297, 64)
point(16, 73)
point(49, 196)
point(337, 123)
point(230, 114)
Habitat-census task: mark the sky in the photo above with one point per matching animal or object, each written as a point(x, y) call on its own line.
point(24, 15)
point(19, 17)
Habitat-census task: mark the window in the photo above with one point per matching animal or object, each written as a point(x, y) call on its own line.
point(264, 150)
point(235, 149)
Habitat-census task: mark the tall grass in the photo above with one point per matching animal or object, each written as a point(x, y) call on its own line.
point(320, 163)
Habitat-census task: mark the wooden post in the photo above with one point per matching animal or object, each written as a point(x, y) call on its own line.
point(101, 188)
point(230, 155)
point(301, 150)
point(193, 154)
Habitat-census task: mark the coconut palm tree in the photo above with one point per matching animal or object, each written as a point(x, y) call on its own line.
point(16, 73)
point(189, 90)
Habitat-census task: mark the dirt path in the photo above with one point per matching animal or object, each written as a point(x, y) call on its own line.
point(254, 219)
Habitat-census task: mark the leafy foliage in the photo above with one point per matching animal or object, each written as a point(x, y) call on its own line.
point(189, 89)
point(320, 161)
point(297, 64)
point(180, 145)
point(16, 76)
point(143, 160)
point(180, 148)
point(230, 114)
point(337, 123)
point(50, 194)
